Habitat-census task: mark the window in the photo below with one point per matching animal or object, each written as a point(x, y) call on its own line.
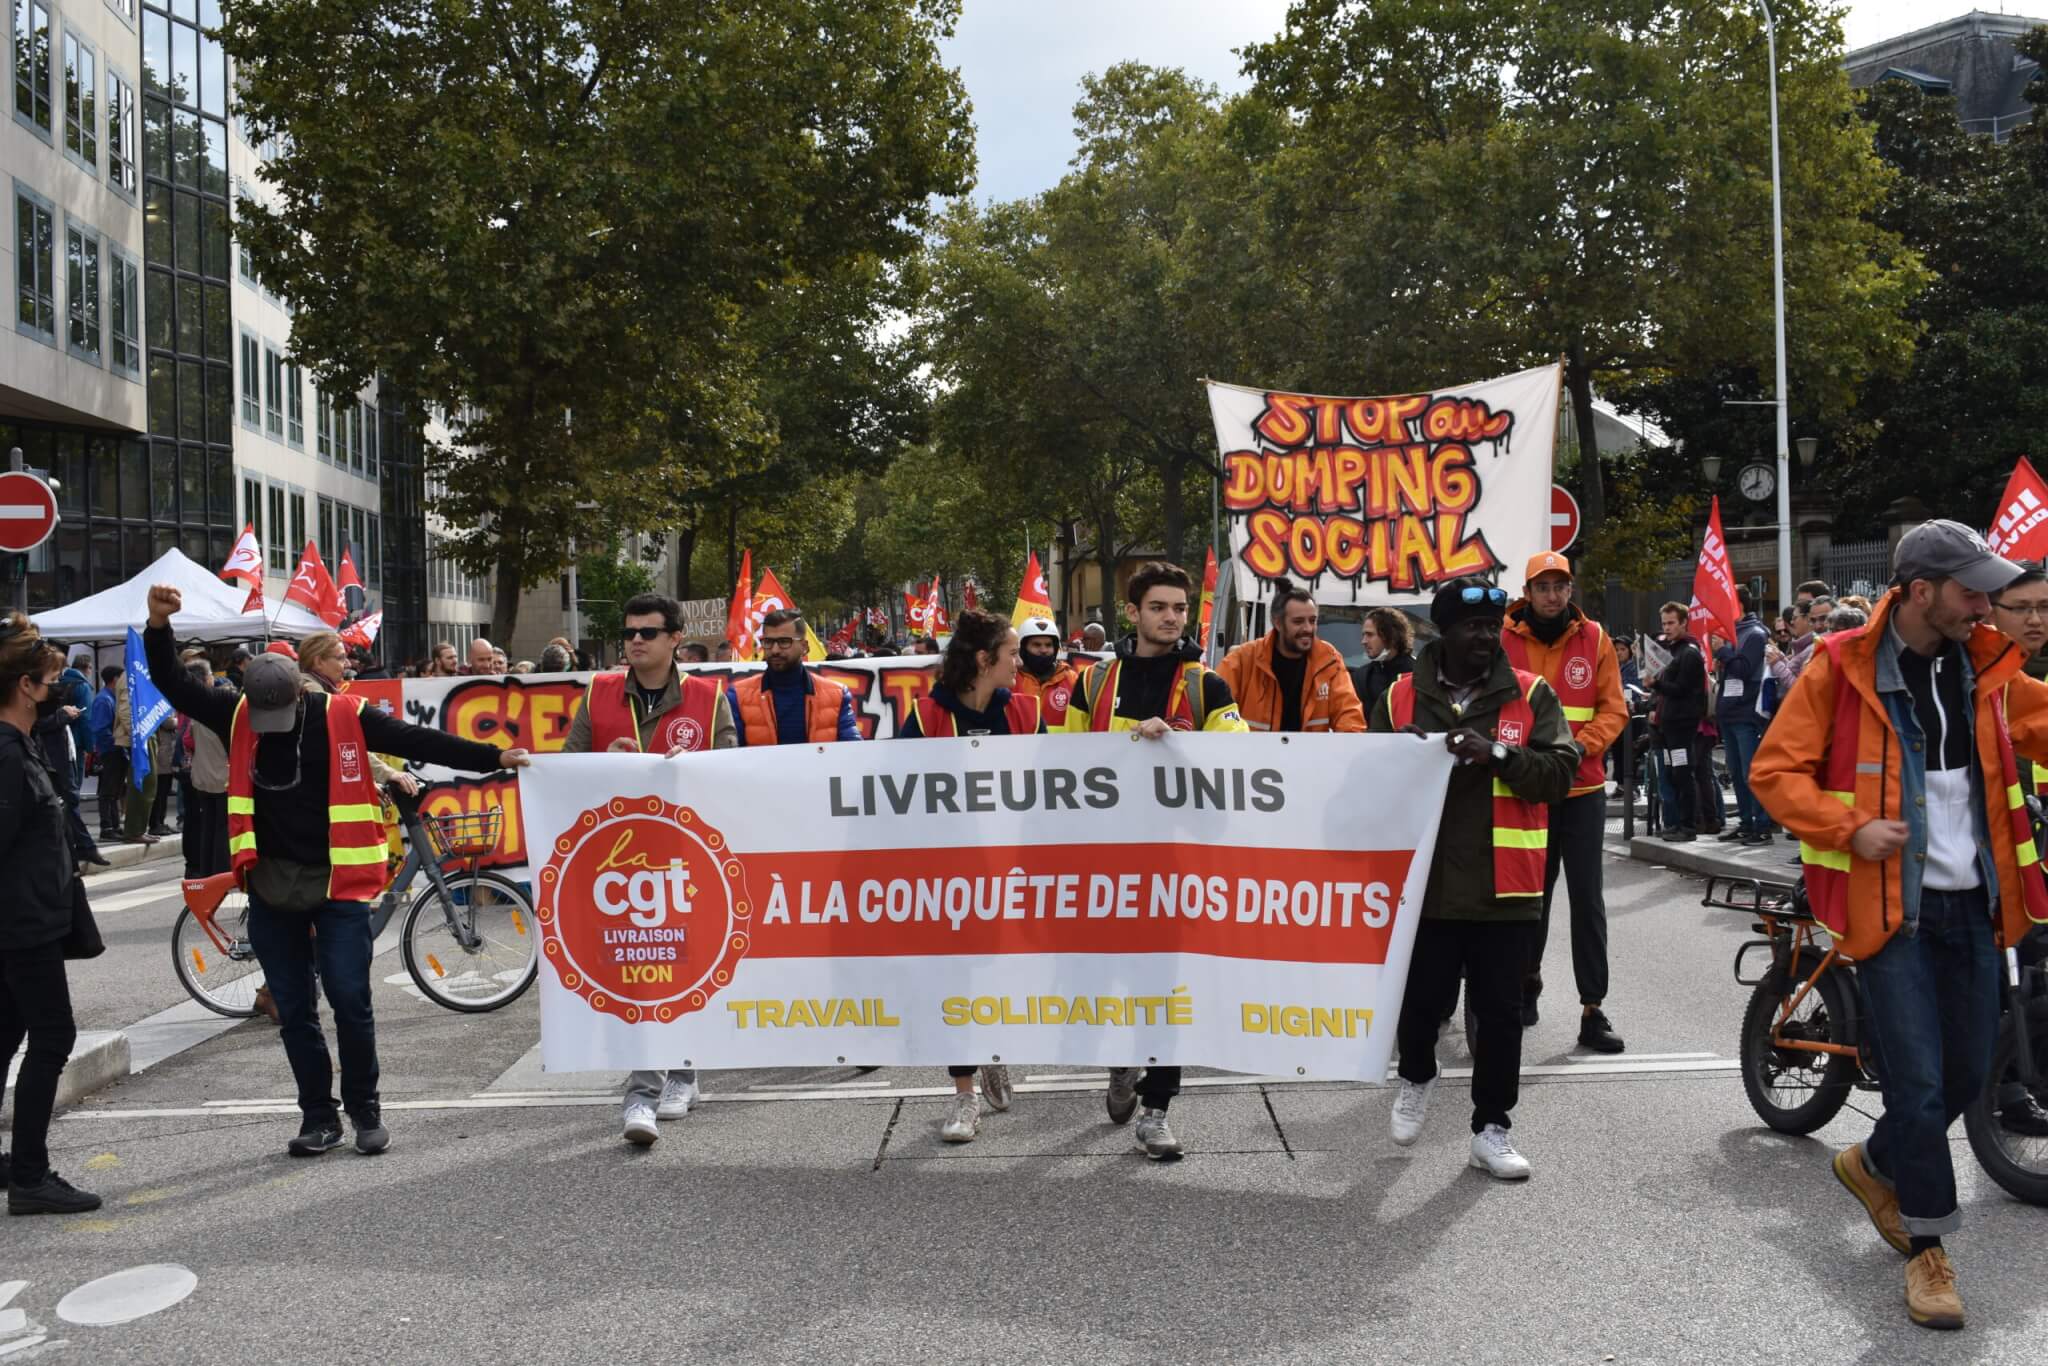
point(124, 8)
point(322, 407)
point(124, 307)
point(355, 437)
point(298, 519)
point(252, 507)
point(370, 442)
point(273, 394)
point(121, 145)
point(278, 563)
point(35, 266)
point(294, 407)
point(81, 102)
point(82, 290)
point(373, 566)
point(32, 64)
point(252, 407)
point(327, 528)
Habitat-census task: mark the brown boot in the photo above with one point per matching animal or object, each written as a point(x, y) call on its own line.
point(1852, 1171)
point(267, 1006)
point(1931, 1296)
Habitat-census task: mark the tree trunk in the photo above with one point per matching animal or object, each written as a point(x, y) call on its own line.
point(505, 593)
point(1578, 379)
point(1171, 476)
point(686, 547)
point(1105, 561)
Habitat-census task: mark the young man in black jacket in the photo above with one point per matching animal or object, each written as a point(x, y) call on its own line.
point(303, 860)
point(1681, 689)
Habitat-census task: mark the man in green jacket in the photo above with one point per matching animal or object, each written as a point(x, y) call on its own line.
point(1485, 895)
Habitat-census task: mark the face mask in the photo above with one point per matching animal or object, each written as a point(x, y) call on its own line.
point(1039, 666)
point(47, 708)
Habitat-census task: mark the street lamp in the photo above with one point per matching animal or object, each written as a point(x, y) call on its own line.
point(1710, 466)
point(1807, 446)
point(1778, 285)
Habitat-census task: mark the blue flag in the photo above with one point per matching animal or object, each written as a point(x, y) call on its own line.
point(146, 709)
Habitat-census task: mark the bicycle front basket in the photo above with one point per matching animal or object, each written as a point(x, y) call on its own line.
point(466, 834)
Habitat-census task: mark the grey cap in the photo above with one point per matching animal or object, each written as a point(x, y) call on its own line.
point(271, 685)
point(1942, 549)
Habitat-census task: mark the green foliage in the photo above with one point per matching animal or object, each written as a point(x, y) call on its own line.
point(588, 227)
point(605, 579)
point(1644, 531)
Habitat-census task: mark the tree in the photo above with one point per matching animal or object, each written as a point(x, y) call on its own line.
point(605, 580)
point(1479, 185)
point(557, 220)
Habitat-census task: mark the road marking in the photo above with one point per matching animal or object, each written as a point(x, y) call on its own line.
point(127, 1295)
point(132, 900)
point(1641, 1057)
point(530, 1100)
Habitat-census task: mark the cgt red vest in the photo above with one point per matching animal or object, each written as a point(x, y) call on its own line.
point(1098, 690)
point(355, 827)
point(1577, 686)
point(1827, 871)
point(1022, 713)
point(1054, 692)
point(757, 710)
point(1521, 829)
point(615, 715)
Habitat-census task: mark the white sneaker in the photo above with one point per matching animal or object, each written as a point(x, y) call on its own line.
point(678, 1094)
point(964, 1120)
point(640, 1123)
point(1411, 1107)
point(1492, 1150)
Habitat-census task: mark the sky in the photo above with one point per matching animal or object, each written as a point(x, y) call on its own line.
point(1023, 61)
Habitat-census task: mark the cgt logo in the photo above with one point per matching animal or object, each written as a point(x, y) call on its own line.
point(1578, 673)
point(643, 909)
point(1509, 733)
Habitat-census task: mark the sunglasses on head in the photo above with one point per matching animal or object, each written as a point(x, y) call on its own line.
point(1497, 596)
point(644, 632)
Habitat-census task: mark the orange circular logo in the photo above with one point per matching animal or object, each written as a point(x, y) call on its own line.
point(643, 909)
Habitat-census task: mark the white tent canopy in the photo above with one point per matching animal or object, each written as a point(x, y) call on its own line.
point(212, 612)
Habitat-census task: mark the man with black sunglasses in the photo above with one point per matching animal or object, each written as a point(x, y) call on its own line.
point(1485, 895)
point(653, 707)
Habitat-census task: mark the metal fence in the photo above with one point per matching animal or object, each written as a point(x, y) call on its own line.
point(1863, 567)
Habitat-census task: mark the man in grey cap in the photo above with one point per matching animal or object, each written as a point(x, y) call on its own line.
point(304, 834)
point(1893, 760)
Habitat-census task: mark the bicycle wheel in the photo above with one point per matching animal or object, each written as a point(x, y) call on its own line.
point(502, 952)
point(1791, 1090)
point(2018, 1162)
point(224, 982)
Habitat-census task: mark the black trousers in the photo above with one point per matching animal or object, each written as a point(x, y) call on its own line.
point(206, 834)
point(1713, 816)
point(1158, 1087)
point(79, 837)
point(1491, 955)
point(1685, 793)
point(35, 1004)
point(1577, 827)
point(113, 791)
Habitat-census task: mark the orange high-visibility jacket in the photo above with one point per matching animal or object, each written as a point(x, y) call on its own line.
point(1830, 764)
point(1328, 700)
point(1583, 670)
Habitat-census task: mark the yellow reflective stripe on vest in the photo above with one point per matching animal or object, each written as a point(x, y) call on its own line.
point(370, 854)
point(1506, 837)
point(2015, 797)
point(241, 806)
point(360, 811)
point(241, 842)
point(1837, 859)
point(1581, 715)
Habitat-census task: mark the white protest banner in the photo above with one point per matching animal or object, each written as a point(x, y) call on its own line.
point(1242, 902)
point(1377, 501)
point(704, 619)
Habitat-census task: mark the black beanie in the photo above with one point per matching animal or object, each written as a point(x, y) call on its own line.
point(1449, 607)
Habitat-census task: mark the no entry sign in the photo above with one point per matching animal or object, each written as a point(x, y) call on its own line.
point(1564, 518)
point(28, 511)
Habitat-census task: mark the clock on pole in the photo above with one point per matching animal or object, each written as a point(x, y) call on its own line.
point(1757, 482)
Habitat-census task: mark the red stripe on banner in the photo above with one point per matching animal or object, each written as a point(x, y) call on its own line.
point(1280, 905)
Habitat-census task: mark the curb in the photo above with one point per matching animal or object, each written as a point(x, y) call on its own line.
point(129, 855)
point(98, 1059)
point(1771, 863)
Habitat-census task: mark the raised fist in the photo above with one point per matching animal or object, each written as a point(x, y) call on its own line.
point(163, 601)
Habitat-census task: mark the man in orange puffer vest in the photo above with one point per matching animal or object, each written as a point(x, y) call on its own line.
point(1896, 760)
point(1290, 679)
point(787, 704)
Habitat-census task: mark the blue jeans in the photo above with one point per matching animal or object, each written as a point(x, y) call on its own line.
point(1739, 740)
point(1934, 1001)
point(337, 937)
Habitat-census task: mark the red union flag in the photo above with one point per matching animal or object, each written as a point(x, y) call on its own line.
point(1715, 609)
point(2020, 531)
point(1032, 598)
point(769, 597)
point(917, 609)
point(364, 632)
point(245, 561)
point(1208, 597)
point(312, 589)
point(739, 626)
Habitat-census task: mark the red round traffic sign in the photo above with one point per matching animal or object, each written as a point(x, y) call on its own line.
point(1564, 518)
point(28, 511)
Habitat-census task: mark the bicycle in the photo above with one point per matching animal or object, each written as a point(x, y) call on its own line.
point(1804, 1046)
point(469, 941)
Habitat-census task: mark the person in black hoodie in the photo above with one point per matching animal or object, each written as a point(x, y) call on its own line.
point(1389, 641)
point(974, 697)
point(1681, 689)
point(35, 917)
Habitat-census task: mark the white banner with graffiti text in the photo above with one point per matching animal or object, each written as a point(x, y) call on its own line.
point(1377, 501)
point(1241, 902)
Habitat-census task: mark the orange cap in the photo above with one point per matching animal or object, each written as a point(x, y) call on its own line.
point(281, 647)
point(1549, 562)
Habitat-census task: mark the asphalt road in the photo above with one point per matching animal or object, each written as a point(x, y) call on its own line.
point(816, 1217)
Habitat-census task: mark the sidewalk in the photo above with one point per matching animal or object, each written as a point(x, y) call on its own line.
point(1705, 856)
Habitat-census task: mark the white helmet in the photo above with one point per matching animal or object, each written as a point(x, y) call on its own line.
point(1037, 626)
